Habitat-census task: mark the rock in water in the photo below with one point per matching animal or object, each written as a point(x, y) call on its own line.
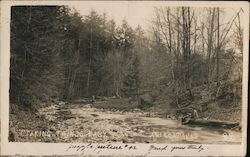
point(61, 103)
point(88, 106)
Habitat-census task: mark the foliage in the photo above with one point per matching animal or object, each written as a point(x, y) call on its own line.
point(58, 53)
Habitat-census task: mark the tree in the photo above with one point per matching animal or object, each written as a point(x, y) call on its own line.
point(33, 52)
point(126, 42)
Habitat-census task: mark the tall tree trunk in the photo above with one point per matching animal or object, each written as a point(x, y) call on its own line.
point(90, 60)
point(218, 46)
point(186, 26)
point(73, 72)
point(88, 77)
point(189, 48)
point(195, 36)
point(210, 45)
point(203, 40)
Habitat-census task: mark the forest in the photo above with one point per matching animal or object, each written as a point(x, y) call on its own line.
point(187, 57)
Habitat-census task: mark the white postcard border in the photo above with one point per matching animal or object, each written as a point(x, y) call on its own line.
point(8, 148)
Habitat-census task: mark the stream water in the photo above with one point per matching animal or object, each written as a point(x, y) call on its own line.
point(86, 124)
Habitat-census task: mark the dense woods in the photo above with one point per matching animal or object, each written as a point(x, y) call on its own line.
point(187, 57)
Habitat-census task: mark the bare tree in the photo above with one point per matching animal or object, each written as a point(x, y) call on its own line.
point(210, 43)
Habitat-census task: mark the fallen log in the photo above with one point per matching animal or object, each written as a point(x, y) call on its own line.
point(211, 123)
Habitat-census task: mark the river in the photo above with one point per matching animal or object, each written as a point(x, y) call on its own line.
point(81, 123)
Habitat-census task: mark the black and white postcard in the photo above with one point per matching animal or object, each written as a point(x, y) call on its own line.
point(124, 78)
